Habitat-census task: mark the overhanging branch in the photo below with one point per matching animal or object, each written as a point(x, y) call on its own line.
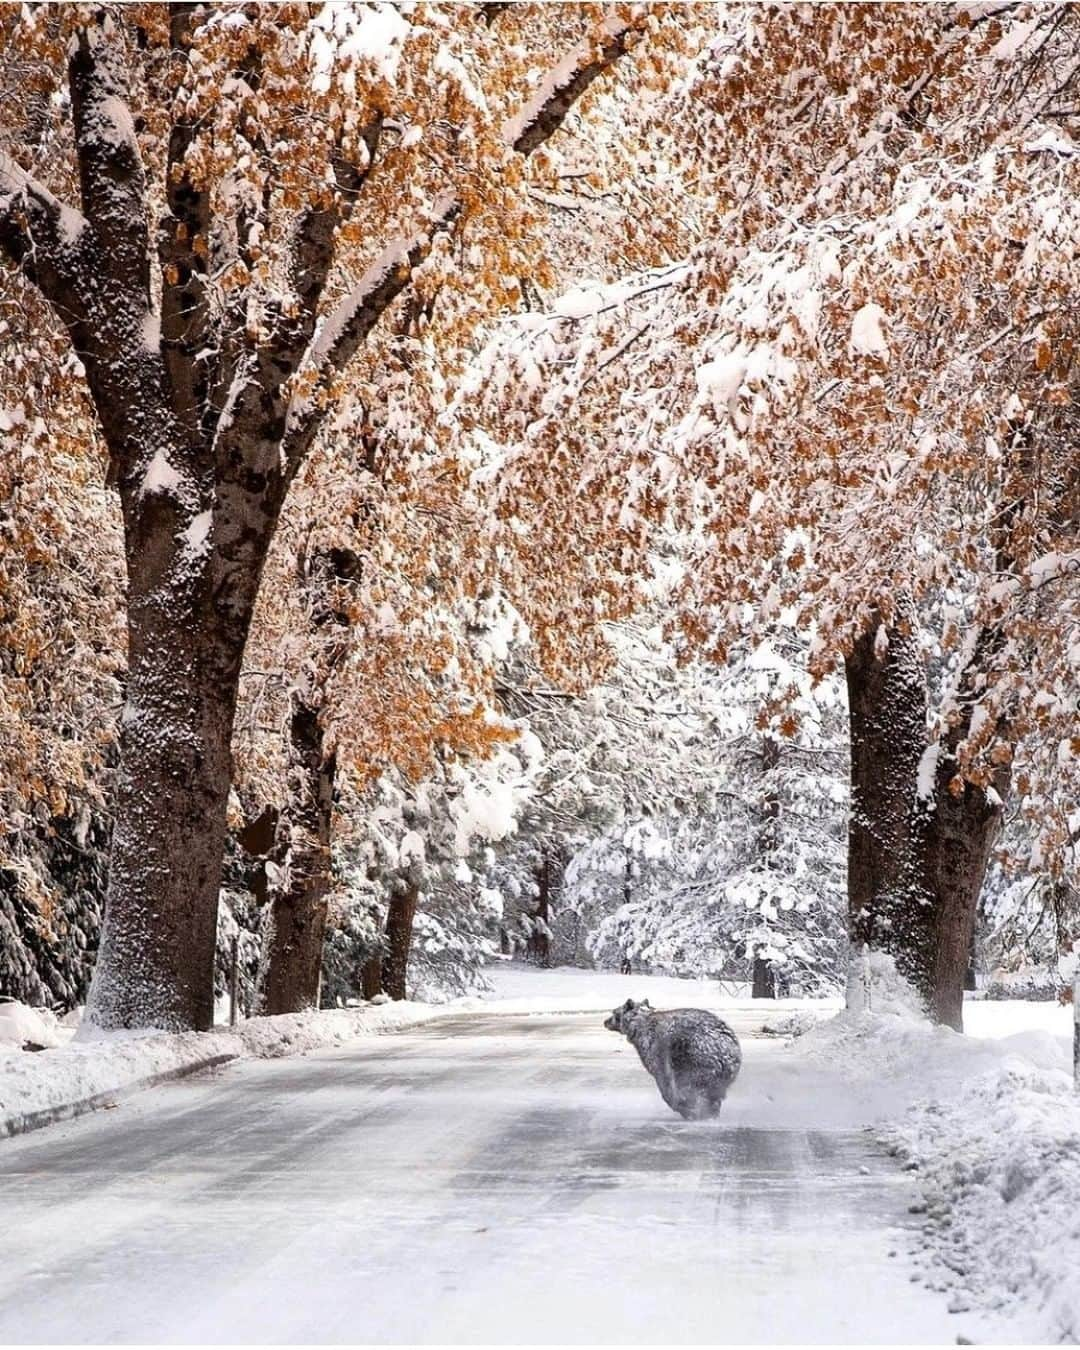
point(538, 121)
point(349, 324)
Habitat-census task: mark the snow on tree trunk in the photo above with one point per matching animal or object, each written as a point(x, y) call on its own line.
point(539, 946)
point(299, 907)
point(399, 931)
point(155, 962)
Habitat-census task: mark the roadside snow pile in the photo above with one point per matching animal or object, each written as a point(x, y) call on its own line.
point(991, 1126)
point(1000, 1169)
point(98, 1068)
point(22, 1026)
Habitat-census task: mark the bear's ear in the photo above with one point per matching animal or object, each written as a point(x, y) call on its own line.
point(629, 1005)
point(645, 1004)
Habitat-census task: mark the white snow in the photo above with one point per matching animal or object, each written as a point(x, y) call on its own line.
point(104, 1064)
point(160, 475)
point(868, 333)
point(927, 774)
point(581, 302)
point(197, 534)
point(411, 849)
point(1053, 141)
point(151, 331)
point(21, 1025)
point(721, 380)
point(989, 1122)
point(1007, 47)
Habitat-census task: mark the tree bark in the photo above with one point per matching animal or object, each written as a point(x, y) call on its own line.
point(887, 712)
point(155, 961)
point(763, 982)
point(538, 948)
point(955, 837)
point(916, 864)
point(371, 978)
point(399, 930)
point(299, 908)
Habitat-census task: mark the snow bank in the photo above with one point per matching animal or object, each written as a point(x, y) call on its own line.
point(21, 1025)
point(990, 1122)
point(36, 1089)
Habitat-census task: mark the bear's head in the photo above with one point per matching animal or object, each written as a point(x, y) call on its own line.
point(621, 1018)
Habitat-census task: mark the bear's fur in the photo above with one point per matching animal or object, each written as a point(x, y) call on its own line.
point(693, 1055)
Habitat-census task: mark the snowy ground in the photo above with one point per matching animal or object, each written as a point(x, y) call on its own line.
point(490, 1176)
point(69, 1076)
point(506, 1172)
point(989, 1125)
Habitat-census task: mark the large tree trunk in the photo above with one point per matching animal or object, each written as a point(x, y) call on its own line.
point(887, 711)
point(399, 930)
point(298, 909)
point(298, 916)
point(156, 958)
point(763, 979)
point(371, 978)
point(955, 837)
point(919, 837)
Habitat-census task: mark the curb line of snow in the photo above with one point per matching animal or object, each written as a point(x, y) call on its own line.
point(59, 1084)
point(23, 1122)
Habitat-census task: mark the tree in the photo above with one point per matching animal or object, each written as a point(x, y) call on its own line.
point(735, 869)
point(216, 286)
point(886, 189)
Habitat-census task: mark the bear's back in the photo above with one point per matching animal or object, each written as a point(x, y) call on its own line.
point(694, 1041)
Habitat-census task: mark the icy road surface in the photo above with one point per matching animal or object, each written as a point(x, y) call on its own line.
point(486, 1178)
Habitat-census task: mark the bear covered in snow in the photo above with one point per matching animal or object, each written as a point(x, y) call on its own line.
point(692, 1054)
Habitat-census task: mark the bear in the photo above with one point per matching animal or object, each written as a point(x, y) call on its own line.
point(693, 1056)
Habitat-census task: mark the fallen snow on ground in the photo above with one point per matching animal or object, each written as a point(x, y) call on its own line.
point(523, 989)
point(990, 1122)
point(21, 1025)
point(115, 1063)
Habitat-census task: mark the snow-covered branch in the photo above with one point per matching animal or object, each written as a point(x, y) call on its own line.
point(348, 325)
point(112, 180)
point(39, 233)
point(545, 113)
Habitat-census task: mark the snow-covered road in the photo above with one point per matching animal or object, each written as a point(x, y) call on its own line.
point(482, 1178)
